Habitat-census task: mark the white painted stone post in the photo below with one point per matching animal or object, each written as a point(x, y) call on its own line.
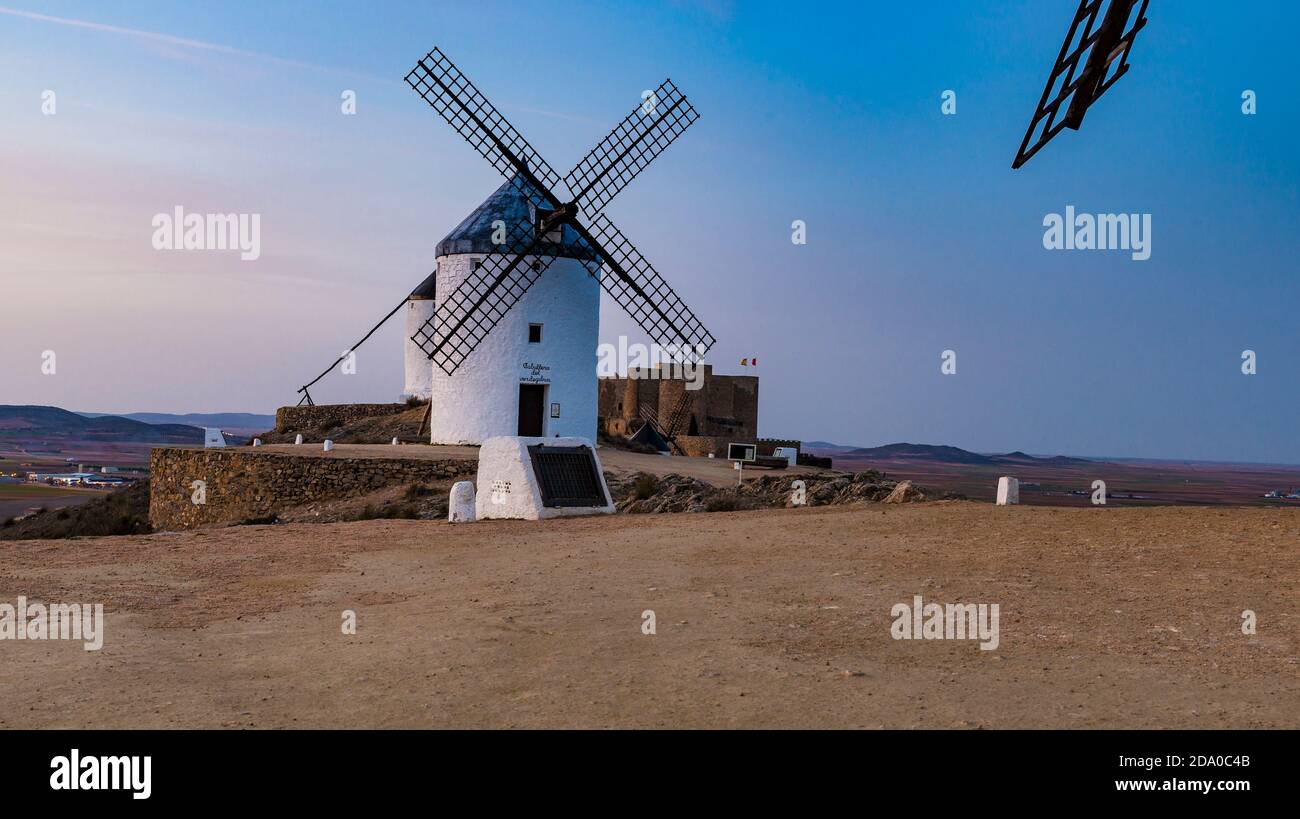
point(257, 442)
point(461, 507)
point(329, 445)
point(298, 439)
point(394, 442)
point(1008, 491)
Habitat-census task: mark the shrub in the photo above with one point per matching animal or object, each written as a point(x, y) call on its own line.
point(394, 512)
point(415, 492)
point(645, 487)
point(727, 502)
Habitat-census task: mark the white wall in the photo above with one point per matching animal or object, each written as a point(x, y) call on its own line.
point(481, 399)
point(508, 487)
point(418, 366)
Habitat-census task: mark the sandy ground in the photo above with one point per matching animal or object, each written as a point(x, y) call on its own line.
point(1109, 618)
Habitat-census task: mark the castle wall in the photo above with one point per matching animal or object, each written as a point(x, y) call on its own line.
point(701, 446)
point(726, 406)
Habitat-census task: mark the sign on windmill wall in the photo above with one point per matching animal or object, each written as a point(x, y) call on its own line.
point(535, 373)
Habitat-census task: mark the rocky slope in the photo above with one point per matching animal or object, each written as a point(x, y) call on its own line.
point(645, 493)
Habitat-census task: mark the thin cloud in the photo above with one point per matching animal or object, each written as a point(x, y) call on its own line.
point(168, 39)
point(558, 115)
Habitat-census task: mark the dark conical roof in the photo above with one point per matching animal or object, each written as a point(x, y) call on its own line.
point(427, 287)
point(510, 205)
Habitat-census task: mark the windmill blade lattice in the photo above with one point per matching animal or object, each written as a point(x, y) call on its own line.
point(1098, 49)
point(451, 94)
point(630, 147)
point(479, 303)
point(465, 318)
point(639, 289)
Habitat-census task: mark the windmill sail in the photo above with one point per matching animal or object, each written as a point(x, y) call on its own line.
point(451, 94)
point(465, 317)
point(639, 289)
point(1103, 53)
point(630, 147)
point(508, 270)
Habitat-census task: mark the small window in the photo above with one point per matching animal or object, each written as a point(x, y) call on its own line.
point(534, 334)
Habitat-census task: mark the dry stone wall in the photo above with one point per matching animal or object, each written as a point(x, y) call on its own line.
point(243, 484)
point(293, 419)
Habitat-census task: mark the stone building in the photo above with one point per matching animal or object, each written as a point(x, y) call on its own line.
point(723, 410)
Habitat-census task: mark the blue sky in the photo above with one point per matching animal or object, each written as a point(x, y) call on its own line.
point(920, 237)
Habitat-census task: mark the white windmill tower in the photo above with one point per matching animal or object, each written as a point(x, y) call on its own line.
point(516, 296)
point(419, 309)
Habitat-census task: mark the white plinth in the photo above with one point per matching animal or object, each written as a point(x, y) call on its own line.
point(1008, 491)
point(461, 507)
point(508, 487)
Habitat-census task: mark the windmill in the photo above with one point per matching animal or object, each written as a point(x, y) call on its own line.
point(663, 436)
point(529, 259)
point(1105, 47)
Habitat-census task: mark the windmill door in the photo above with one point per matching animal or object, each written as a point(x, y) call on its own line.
point(532, 402)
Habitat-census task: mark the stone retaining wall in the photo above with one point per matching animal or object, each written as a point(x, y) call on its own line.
point(296, 419)
point(244, 484)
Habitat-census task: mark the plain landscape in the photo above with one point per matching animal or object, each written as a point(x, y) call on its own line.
point(1115, 618)
point(1123, 615)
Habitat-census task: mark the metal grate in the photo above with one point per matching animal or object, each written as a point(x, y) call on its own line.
point(643, 293)
point(630, 147)
point(567, 476)
point(1106, 50)
point(453, 96)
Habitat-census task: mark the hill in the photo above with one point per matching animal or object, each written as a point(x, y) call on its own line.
point(124, 512)
point(51, 423)
point(942, 454)
point(223, 420)
point(923, 452)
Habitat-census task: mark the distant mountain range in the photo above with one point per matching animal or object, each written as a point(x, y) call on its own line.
point(223, 420)
point(936, 454)
point(51, 423)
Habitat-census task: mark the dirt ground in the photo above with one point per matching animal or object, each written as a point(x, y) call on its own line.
point(1109, 618)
